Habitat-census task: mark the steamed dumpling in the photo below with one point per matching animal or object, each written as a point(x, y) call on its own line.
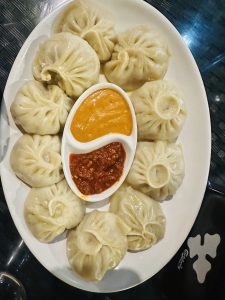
point(98, 244)
point(49, 211)
point(159, 109)
point(157, 169)
point(142, 214)
point(92, 24)
point(140, 54)
point(36, 160)
point(68, 61)
point(41, 109)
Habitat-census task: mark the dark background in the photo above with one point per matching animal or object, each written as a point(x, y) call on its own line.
point(202, 25)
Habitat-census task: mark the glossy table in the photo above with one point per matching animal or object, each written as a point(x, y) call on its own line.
point(202, 26)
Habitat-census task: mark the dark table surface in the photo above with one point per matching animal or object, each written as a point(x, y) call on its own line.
point(202, 25)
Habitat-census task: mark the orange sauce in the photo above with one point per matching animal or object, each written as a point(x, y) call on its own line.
point(103, 112)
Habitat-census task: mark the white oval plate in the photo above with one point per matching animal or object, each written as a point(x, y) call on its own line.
point(180, 212)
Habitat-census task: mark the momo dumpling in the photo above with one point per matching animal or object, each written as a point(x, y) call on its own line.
point(160, 111)
point(49, 211)
point(41, 109)
point(67, 61)
point(140, 54)
point(142, 214)
point(36, 160)
point(157, 169)
point(93, 24)
point(98, 244)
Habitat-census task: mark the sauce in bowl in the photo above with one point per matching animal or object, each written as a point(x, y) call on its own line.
point(104, 111)
point(96, 171)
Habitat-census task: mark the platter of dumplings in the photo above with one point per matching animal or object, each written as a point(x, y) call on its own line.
point(107, 143)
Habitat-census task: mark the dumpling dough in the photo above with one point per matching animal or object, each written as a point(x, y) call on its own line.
point(93, 24)
point(140, 54)
point(36, 160)
point(41, 109)
point(157, 169)
point(160, 111)
point(49, 211)
point(142, 214)
point(68, 61)
point(98, 244)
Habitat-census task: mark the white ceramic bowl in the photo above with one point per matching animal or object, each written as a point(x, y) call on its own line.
point(71, 145)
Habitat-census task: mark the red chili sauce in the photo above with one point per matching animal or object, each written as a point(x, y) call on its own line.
point(96, 171)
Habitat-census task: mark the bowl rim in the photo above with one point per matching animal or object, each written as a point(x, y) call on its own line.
point(68, 141)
